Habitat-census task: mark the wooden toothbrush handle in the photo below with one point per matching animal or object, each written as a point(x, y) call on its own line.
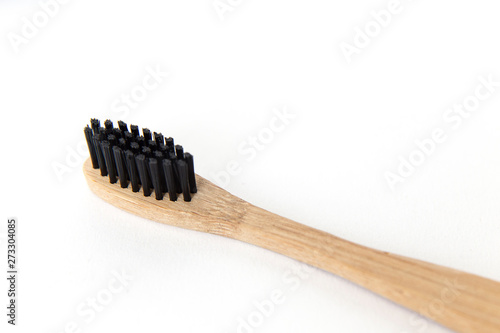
point(461, 301)
point(458, 300)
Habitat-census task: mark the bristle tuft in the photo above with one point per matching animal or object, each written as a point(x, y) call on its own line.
point(149, 161)
point(108, 124)
point(122, 126)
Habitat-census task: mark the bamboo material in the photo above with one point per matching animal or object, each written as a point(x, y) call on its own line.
point(458, 300)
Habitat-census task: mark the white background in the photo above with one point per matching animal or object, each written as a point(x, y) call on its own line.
point(325, 169)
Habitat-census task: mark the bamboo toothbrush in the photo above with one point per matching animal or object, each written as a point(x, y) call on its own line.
point(458, 300)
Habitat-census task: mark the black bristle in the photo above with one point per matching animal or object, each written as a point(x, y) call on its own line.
point(143, 174)
point(158, 155)
point(117, 132)
point(179, 152)
point(183, 171)
point(122, 125)
point(134, 129)
point(120, 166)
point(112, 140)
point(96, 140)
point(150, 161)
point(152, 144)
point(192, 178)
point(170, 179)
point(146, 151)
point(140, 140)
point(122, 143)
point(147, 134)
point(110, 161)
point(132, 170)
point(95, 124)
point(90, 144)
point(155, 177)
point(175, 168)
point(108, 124)
point(169, 142)
point(162, 148)
point(159, 138)
point(135, 147)
point(128, 137)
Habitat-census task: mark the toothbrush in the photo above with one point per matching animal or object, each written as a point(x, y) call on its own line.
point(147, 175)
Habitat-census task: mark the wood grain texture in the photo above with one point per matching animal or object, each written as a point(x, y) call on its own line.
point(458, 300)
